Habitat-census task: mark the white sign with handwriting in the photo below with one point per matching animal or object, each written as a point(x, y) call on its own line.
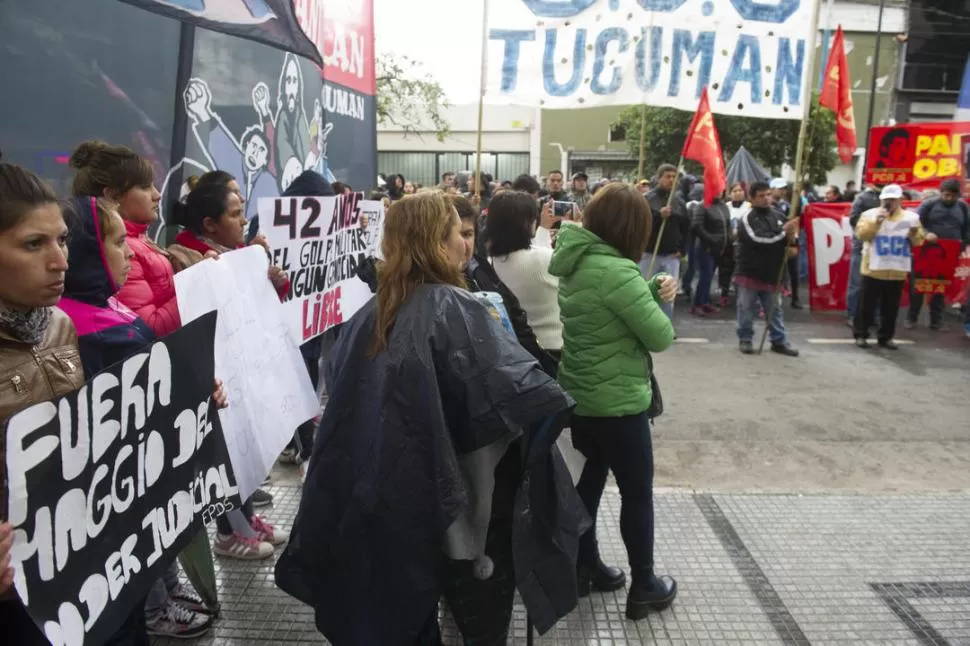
point(263, 372)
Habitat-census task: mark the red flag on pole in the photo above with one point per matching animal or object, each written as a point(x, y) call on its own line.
point(837, 96)
point(703, 145)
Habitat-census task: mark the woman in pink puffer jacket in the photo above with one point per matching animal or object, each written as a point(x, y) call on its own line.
point(115, 172)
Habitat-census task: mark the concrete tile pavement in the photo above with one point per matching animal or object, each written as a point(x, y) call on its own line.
point(752, 569)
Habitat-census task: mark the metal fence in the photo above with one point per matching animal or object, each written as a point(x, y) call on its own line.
point(427, 168)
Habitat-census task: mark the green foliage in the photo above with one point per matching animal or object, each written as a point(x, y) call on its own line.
point(771, 141)
point(408, 98)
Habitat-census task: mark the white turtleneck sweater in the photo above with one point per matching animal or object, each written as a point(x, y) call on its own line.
point(526, 273)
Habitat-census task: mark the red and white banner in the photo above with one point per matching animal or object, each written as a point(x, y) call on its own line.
point(828, 236)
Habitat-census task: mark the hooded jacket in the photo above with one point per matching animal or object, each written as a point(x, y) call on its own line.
point(390, 477)
point(150, 288)
point(762, 245)
point(108, 332)
point(712, 226)
point(611, 319)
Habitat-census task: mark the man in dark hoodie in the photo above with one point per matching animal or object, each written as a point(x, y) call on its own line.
point(946, 217)
point(763, 241)
point(308, 184)
point(673, 243)
point(864, 201)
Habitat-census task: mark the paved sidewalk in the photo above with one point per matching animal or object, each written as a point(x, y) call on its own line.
point(752, 569)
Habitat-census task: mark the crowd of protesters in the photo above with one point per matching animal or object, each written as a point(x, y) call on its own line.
point(468, 432)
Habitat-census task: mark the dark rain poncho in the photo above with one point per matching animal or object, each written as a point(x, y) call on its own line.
point(399, 475)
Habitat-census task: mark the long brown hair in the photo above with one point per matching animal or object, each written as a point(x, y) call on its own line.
point(415, 229)
point(620, 216)
point(101, 166)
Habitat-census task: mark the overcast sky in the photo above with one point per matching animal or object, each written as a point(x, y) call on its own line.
point(446, 39)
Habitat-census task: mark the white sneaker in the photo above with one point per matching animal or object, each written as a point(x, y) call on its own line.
point(267, 533)
point(174, 621)
point(242, 548)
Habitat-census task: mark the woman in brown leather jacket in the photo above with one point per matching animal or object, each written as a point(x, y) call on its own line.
point(39, 357)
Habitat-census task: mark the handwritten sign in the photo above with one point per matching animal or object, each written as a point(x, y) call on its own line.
point(269, 390)
point(751, 54)
point(107, 484)
point(320, 242)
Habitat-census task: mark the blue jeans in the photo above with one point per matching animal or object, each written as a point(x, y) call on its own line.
point(966, 314)
point(663, 265)
point(693, 248)
point(158, 594)
point(750, 301)
point(620, 444)
point(706, 264)
point(855, 282)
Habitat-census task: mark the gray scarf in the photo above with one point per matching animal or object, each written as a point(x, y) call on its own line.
point(27, 327)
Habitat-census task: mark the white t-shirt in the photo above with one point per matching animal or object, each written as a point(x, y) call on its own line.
point(526, 273)
point(891, 249)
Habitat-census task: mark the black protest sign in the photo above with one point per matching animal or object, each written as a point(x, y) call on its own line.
point(107, 484)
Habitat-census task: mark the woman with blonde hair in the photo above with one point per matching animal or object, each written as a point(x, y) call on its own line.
point(413, 482)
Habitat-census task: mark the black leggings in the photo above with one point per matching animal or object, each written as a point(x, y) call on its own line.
point(222, 523)
point(620, 444)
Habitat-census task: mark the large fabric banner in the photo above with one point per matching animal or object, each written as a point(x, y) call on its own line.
point(107, 484)
point(269, 389)
point(751, 54)
point(829, 238)
point(271, 22)
point(320, 242)
point(916, 155)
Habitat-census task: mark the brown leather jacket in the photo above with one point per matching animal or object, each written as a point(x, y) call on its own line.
point(33, 374)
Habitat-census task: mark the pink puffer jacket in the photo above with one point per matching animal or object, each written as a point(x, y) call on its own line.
point(150, 289)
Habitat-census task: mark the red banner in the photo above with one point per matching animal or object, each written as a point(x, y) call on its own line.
point(916, 155)
point(344, 34)
point(828, 236)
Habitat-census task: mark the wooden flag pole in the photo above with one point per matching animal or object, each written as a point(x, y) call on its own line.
point(481, 104)
point(663, 221)
point(801, 154)
point(643, 138)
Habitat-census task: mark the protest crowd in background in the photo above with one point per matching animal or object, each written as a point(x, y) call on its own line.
point(561, 265)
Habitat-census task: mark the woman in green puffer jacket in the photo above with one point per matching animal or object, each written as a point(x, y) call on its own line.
point(611, 320)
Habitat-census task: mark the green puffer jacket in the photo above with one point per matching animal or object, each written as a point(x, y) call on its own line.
point(611, 319)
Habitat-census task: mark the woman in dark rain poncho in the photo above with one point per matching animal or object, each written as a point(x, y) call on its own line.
point(415, 491)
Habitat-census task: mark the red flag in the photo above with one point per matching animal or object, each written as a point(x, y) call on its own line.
point(703, 145)
point(837, 96)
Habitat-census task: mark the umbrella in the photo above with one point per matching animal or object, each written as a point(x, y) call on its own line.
point(745, 169)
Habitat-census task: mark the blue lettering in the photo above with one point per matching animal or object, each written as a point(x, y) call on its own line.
point(747, 50)
point(602, 44)
point(892, 246)
point(789, 73)
point(510, 61)
point(900, 247)
point(558, 8)
point(664, 6)
point(552, 86)
point(684, 44)
point(777, 11)
point(656, 40)
point(882, 246)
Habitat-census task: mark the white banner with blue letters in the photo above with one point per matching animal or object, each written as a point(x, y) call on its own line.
point(751, 54)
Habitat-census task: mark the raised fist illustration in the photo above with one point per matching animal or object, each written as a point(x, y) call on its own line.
point(261, 99)
point(197, 100)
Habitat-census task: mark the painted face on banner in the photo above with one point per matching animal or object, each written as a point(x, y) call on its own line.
point(291, 85)
point(257, 153)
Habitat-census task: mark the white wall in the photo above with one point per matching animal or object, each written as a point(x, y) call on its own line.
point(863, 17)
point(505, 129)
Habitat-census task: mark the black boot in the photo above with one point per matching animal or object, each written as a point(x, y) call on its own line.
point(596, 575)
point(649, 593)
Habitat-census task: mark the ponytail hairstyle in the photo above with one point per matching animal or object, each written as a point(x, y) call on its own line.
point(213, 177)
point(21, 191)
point(102, 167)
point(205, 201)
